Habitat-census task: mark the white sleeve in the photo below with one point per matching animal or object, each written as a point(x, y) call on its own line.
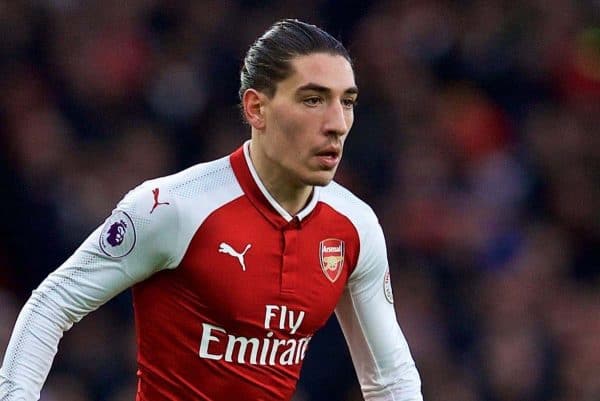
point(130, 246)
point(382, 359)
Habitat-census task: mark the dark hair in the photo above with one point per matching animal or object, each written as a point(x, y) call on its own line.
point(268, 60)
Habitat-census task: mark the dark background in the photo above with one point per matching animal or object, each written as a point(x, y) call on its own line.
point(476, 142)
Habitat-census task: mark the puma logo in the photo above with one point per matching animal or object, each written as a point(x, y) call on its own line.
point(226, 248)
point(155, 192)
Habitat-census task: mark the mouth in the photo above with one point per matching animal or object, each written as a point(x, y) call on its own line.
point(329, 157)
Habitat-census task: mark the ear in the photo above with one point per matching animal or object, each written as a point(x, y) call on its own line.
point(253, 102)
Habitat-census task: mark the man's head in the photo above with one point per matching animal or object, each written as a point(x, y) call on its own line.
point(298, 94)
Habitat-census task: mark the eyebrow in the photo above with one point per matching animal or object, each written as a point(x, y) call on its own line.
point(323, 89)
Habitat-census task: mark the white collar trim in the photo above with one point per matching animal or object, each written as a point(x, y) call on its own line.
point(288, 217)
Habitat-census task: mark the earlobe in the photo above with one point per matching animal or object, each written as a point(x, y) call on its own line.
point(253, 108)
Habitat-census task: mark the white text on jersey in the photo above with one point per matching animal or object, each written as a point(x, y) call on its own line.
point(255, 350)
point(293, 324)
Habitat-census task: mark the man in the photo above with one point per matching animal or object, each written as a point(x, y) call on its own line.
point(236, 263)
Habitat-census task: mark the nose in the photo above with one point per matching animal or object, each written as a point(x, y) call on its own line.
point(337, 119)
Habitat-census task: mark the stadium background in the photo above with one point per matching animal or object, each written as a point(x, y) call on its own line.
point(476, 141)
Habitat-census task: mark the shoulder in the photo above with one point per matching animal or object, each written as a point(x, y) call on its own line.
point(166, 211)
point(198, 179)
point(372, 256)
point(348, 204)
point(196, 190)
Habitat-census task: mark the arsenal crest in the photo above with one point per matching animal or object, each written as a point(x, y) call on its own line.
point(331, 255)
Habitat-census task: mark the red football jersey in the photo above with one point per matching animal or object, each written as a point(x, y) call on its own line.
point(235, 317)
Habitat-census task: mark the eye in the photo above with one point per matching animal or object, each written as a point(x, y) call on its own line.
point(349, 103)
point(312, 101)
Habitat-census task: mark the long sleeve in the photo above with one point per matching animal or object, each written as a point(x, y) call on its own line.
point(129, 247)
point(381, 356)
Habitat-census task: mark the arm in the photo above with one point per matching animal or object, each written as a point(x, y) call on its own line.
point(380, 353)
point(131, 246)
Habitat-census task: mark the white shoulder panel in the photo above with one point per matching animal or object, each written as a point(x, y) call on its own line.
point(196, 193)
point(359, 213)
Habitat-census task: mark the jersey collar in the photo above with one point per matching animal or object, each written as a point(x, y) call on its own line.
point(258, 194)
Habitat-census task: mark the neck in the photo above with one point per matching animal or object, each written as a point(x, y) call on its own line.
point(290, 195)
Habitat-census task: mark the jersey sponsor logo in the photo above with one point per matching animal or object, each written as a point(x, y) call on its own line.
point(228, 249)
point(118, 236)
point(387, 287)
point(217, 344)
point(331, 256)
point(156, 193)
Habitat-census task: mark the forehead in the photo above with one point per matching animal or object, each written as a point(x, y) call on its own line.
point(330, 71)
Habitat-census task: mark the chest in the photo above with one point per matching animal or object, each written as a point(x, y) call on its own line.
point(241, 270)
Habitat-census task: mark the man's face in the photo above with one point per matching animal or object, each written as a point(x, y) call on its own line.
point(309, 117)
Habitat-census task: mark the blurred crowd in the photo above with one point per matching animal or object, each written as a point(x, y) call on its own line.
point(476, 141)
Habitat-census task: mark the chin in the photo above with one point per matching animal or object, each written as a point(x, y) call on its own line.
point(320, 179)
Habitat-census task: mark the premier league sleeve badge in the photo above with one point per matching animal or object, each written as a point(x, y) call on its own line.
point(118, 236)
point(387, 287)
